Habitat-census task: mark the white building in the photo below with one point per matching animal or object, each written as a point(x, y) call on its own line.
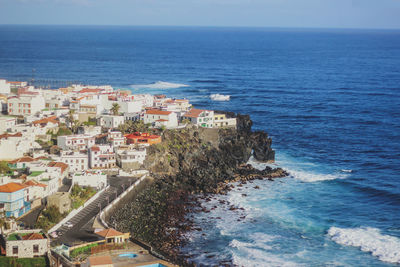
point(130, 157)
point(111, 121)
point(115, 138)
point(4, 87)
point(130, 105)
point(75, 142)
point(135, 116)
point(7, 123)
point(102, 157)
point(95, 179)
point(200, 117)
point(11, 146)
point(25, 104)
point(77, 161)
point(221, 120)
point(159, 118)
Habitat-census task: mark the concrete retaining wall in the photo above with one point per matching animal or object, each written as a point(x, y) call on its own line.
point(76, 211)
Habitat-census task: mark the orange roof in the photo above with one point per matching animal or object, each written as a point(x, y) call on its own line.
point(6, 135)
point(88, 90)
point(109, 233)
point(162, 120)
point(158, 112)
point(11, 187)
point(100, 260)
point(61, 165)
point(95, 148)
point(32, 236)
point(23, 159)
point(14, 82)
point(194, 113)
point(33, 183)
point(52, 119)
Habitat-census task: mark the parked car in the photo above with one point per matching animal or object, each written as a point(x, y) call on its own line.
point(68, 224)
point(54, 234)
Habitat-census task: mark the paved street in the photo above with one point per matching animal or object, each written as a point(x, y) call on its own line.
point(80, 232)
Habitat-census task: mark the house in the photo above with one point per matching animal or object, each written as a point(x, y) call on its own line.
point(87, 112)
point(221, 120)
point(102, 157)
point(35, 192)
point(130, 157)
point(200, 117)
point(75, 142)
point(160, 118)
point(25, 244)
point(115, 138)
point(25, 105)
point(96, 179)
point(49, 122)
point(111, 121)
point(61, 200)
point(20, 163)
point(142, 138)
point(6, 123)
point(134, 116)
point(11, 146)
point(12, 200)
point(77, 161)
point(5, 87)
point(113, 236)
point(89, 130)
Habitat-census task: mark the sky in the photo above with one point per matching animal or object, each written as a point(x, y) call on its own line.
point(371, 14)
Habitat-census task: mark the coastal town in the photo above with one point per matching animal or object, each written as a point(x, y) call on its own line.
point(67, 157)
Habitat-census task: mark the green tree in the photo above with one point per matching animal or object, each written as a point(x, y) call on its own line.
point(115, 108)
point(4, 168)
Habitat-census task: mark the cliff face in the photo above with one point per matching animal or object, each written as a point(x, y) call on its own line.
point(188, 161)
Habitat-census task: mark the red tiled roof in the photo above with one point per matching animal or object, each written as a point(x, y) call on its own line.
point(89, 90)
point(109, 233)
point(158, 112)
point(23, 159)
point(61, 165)
point(52, 119)
point(11, 187)
point(33, 183)
point(95, 148)
point(7, 135)
point(32, 236)
point(194, 113)
point(162, 120)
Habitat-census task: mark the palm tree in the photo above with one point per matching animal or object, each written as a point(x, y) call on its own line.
point(115, 108)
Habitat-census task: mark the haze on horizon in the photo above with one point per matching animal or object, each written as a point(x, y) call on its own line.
point(370, 14)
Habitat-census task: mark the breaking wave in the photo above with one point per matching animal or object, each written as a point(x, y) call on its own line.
point(312, 177)
point(159, 85)
point(219, 97)
point(256, 253)
point(384, 247)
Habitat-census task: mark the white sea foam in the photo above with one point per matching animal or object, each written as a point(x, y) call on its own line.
point(159, 85)
point(345, 170)
point(308, 176)
point(385, 247)
point(255, 254)
point(218, 97)
point(258, 164)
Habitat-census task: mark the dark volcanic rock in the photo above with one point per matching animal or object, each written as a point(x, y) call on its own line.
point(191, 161)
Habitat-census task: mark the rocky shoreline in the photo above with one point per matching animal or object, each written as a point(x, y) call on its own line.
point(189, 163)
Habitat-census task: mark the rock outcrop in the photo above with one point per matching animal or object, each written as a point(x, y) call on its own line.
point(191, 161)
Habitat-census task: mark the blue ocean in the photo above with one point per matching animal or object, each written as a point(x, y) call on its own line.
point(329, 98)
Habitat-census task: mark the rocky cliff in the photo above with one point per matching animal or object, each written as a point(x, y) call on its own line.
point(189, 161)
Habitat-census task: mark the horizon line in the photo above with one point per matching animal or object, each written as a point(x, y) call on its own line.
point(203, 26)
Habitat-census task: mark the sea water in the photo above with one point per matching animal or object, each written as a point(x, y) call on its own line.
point(330, 100)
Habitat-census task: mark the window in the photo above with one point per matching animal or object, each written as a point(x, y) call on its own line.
point(35, 248)
point(15, 250)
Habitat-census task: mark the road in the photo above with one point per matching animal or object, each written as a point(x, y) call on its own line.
point(82, 222)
